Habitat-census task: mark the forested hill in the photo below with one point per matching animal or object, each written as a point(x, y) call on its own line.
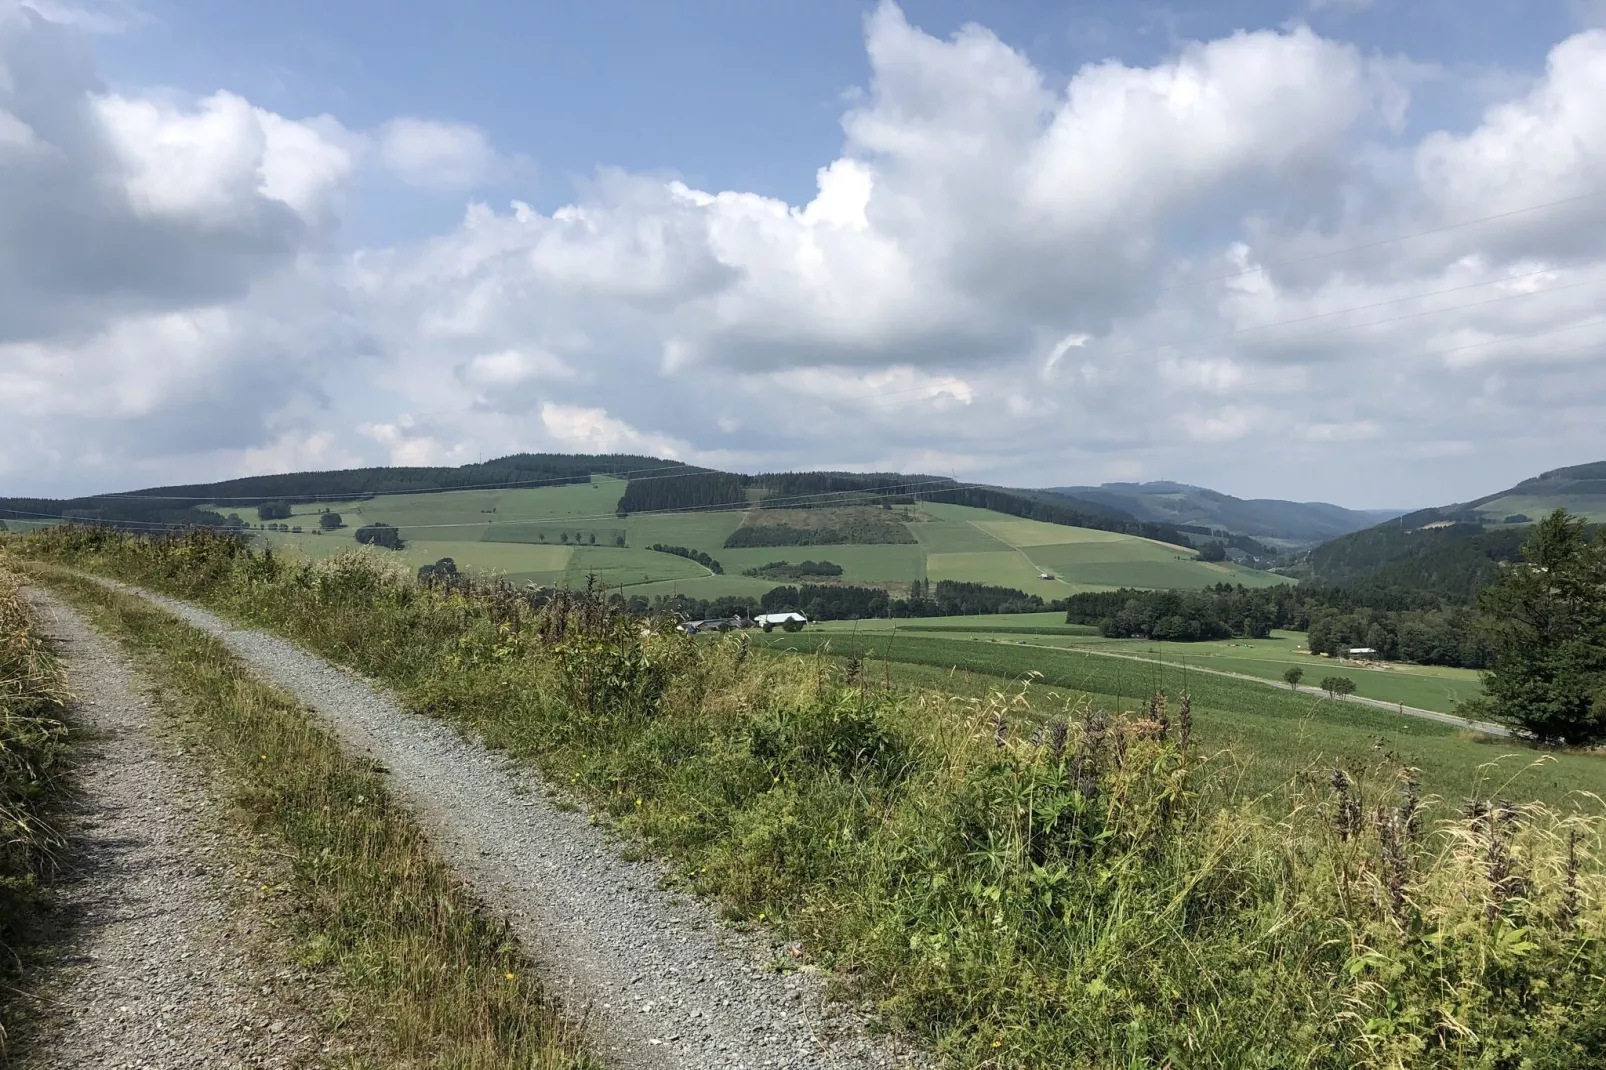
point(798, 490)
point(1264, 518)
point(1580, 489)
point(177, 505)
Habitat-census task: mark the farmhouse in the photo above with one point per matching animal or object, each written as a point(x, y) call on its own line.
point(1361, 652)
point(789, 620)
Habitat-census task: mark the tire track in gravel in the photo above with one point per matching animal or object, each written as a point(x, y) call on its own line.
point(156, 966)
point(660, 983)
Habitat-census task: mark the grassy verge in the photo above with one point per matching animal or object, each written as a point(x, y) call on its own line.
point(1090, 890)
point(34, 766)
point(440, 984)
point(1286, 731)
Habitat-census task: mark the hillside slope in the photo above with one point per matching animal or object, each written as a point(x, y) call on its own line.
point(1579, 489)
point(1299, 523)
point(1453, 550)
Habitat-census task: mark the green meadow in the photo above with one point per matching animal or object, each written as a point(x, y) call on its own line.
point(1289, 733)
point(564, 534)
point(1427, 687)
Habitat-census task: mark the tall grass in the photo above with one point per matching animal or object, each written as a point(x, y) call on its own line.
point(427, 978)
point(1093, 891)
point(33, 769)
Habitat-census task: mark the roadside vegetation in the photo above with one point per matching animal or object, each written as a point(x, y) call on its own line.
point(427, 978)
point(34, 767)
point(1072, 887)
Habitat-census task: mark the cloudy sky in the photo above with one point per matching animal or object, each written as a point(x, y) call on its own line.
point(1312, 249)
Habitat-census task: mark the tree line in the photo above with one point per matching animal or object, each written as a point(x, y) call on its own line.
point(1407, 626)
point(691, 555)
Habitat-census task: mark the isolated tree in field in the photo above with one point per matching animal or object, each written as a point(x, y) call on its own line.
point(1294, 675)
point(1338, 686)
point(593, 538)
point(618, 540)
point(1545, 617)
point(563, 537)
point(329, 521)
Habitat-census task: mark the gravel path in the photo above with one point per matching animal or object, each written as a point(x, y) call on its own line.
point(661, 984)
point(156, 968)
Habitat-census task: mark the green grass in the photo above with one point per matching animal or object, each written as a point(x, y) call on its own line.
point(1287, 732)
point(1428, 687)
point(35, 764)
point(435, 981)
point(1104, 897)
point(1591, 507)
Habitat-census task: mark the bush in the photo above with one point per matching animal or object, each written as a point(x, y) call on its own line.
point(380, 535)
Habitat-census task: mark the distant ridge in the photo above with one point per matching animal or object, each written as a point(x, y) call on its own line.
point(1291, 523)
point(1453, 550)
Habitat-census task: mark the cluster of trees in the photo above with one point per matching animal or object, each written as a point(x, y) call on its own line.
point(1426, 637)
point(1401, 625)
point(330, 521)
point(691, 488)
point(444, 570)
point(1218, 612)
point(384, 535)
point(946, 598)
point(1212, 551)
point(803, 570)
point(692, 555)
point(279, 510)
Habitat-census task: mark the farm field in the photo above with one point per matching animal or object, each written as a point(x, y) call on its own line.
point(1288, 733)
point(563, 534)
point(1590, 506)
point(1427, 687)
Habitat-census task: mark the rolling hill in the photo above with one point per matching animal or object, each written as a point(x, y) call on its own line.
point(1289, 523)
point(561, 535)
point(557, 519)
point(1453, 550)
point(1580, 489)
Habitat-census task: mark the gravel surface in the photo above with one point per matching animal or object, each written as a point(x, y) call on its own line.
point(660, 983)
point(156, 966)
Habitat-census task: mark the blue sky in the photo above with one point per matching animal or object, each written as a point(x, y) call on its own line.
point(1026, 242)
point(730, 94)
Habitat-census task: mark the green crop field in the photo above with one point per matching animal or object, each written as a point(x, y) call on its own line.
point(563, 534)
point(1427, 687)
point(1287, 732)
